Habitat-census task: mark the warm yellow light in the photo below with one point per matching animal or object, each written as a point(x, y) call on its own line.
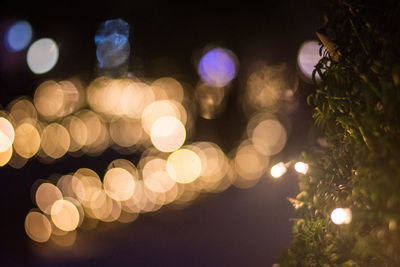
point(269, 137)
point(64, 215)
point(341, 216)
point(278, 170)
point(156, 110)
point(37, 226)
point(167, 134)
point(167, 88)
point(125, 132)
point(23, 109)
point(6, 156)
point(27, 140)
point(46, 195)
point(49, 99)
point(249, 164)
point(184, 166)
point(156, 177)
point(301, 167)
point(7, 134)
point(55, 140)
point(77, 131)
point(119, 184)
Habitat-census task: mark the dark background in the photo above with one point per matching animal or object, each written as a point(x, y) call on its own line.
point(248, 227)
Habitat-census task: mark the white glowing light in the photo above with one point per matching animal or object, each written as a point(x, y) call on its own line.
point(167, 134)
point(301, 167)
point(341, 216)
point(42, 55)
point(278, 170)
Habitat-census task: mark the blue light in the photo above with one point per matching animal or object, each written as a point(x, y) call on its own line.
point(217, 67)
point(18, 36)
point(112, 40)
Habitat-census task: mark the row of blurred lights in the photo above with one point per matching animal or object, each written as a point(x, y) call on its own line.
point(154, 117)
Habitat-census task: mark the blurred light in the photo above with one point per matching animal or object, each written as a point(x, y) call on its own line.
point(77, 131)
point(249, 164)
point(341, 216)
point(308, 56)
point(6, 156)
point(156, 110)
point(218, 67)
point(7, 134)
point(168, 88)
point(269, 137)
point(55, 140)
point(156, 177)
point(278, 170)
point(125, 132)
point(49, 99)
point(184, 166)
point(267, 85)
point(66, 240)
point(37, 226)
point(301, 167)
point(89, 183)
point(46, 195)
point(210, 99)
point(27, 140)
point(64, 215)
point(42, 55)
point(112, 42)
point(23, 110)
point(119, 184)
point(167, 134)
point(18, 36)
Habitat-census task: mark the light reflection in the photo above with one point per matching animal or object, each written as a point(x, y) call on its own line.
point(42, 55)
point(217, 67)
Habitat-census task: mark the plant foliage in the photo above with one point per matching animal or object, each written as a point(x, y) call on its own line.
point(357, 109)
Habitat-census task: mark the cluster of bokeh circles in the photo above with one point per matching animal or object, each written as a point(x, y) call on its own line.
point(152, 117)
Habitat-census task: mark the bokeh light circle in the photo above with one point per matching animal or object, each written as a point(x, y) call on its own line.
point(65, 215)
point(184, 166)
point(308, 56)
point(7, 134)
point(37, 226)
point(42, 55)
point(217, 67)
point(18, 36)
point(167, 134)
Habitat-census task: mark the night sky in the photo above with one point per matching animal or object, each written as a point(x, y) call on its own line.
point(238, 227)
